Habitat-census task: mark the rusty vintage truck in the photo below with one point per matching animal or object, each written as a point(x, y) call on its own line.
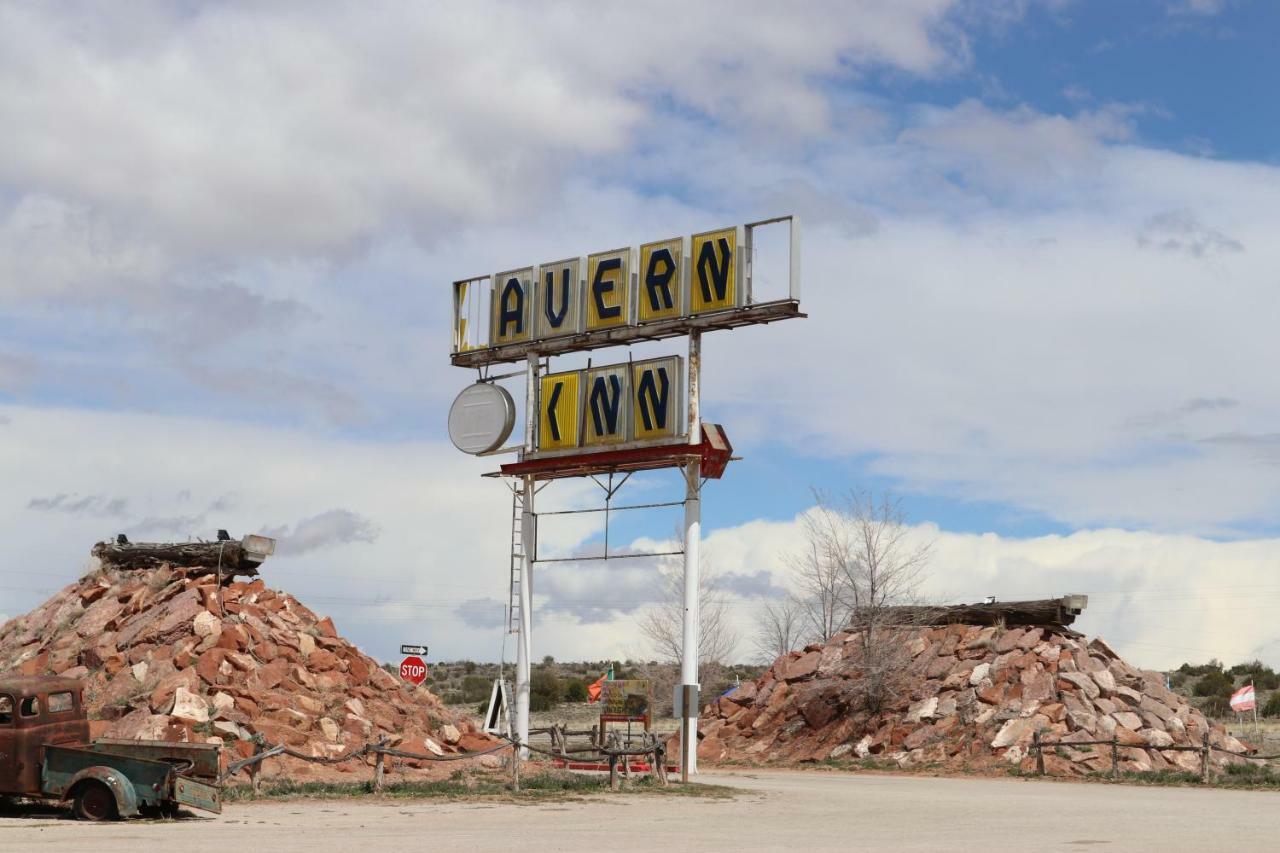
point(45, 753)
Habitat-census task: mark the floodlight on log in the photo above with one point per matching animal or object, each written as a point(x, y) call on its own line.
point(257, 548)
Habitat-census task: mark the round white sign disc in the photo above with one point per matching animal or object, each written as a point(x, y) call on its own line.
point(481, 418)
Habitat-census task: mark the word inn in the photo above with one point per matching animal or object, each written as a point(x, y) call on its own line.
point(668, 279)
point(611, 405)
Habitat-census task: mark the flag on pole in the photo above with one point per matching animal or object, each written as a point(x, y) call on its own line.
point(1244, 699)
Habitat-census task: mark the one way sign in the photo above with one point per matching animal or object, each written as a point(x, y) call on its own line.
point(413, 650)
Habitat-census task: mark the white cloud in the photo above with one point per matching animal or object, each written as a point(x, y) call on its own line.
point(1198, 8)
point(237, 127)
point(441, 538)
point(1158, 599)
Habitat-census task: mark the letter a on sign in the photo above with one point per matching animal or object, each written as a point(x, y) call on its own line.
point(510, 306)
point(656, 389)
point(560, 402)
point(714, 284)
point(609, 289)
point(607, 410)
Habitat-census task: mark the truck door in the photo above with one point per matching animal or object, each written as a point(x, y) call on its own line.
point(8, 746)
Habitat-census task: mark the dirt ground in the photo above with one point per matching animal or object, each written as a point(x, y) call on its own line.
point(773, 810)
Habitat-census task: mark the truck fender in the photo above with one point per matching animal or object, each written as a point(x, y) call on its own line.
point(116, 782)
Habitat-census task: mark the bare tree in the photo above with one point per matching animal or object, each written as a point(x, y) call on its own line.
point(859, 562)
point(886, 563)
point(780, 627)
point(819, 571)
point(884, 569)
point(662, 623)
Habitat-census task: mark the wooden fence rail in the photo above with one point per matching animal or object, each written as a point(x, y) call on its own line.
point(1038, 746)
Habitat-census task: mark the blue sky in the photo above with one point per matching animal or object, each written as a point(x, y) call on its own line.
point(1038, 261)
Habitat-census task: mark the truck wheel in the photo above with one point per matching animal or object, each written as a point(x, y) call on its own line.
point(94, 801)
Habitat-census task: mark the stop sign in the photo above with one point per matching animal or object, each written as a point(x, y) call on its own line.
point(413, 670)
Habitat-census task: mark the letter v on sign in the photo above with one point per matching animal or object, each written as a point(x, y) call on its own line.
point(560, 418)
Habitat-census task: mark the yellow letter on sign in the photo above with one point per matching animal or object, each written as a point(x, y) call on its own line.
point(714, 276)
point(560, 405)
point(661, 280)
point(608, 405)
point(509, 309)
point(559, 299)
point(656, 398)
point(609, 289)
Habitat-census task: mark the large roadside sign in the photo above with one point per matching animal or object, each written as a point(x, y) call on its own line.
point(664, 288)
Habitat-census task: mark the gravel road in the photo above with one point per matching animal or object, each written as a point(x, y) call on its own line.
point(774, 810)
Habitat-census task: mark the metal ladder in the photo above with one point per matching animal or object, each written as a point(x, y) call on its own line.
point(517, 560)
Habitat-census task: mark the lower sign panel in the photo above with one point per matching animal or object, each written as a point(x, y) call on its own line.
point(560, 410)
point(656, 398)
point(608, 410)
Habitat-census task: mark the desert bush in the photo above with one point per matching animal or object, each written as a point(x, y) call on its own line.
point(545, 690)
point(1272, 707)
point(575, 690)
point(1201, 669)
point(475, 688)
point(1214, 683)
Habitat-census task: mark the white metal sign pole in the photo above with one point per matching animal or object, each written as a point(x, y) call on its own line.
point(692, 539)
point(524, 646)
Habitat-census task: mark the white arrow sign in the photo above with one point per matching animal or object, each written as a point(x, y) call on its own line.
point(413, 650)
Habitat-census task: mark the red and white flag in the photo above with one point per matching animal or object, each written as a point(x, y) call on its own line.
point(1244, 699)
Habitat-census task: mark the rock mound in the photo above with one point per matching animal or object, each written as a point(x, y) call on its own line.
point(164, 656)
point(966, 697)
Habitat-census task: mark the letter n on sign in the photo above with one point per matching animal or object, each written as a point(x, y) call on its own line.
point(715, 272)
point(656, 392)
point(510, 309)
point(560, 410)
point(607, 405)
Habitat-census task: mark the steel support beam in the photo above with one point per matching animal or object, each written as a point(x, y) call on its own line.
point(692, 541)
point(528, 543)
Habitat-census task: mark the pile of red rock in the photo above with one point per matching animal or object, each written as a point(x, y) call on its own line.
point(966, 697)
point(165, 655)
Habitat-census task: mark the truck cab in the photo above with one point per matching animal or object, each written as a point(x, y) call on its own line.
point(45, 753)
point(36, 711)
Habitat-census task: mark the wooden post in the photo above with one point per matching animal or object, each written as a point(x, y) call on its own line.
point(1115, 757)
point(515, 768)
point(1039, 748)
point(1204, 759)
point(614, 784)
point(660, 756)
point(256, 767)
point(379, 766)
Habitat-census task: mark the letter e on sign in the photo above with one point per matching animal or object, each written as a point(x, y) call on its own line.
point(656, 398)
point(714, 271)
point(413, 670)
point(660, 280)
point(609, 289)
point(560, 410)
point(511, 306)
point(607, 406)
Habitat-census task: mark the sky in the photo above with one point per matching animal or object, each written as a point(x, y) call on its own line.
point(1038, 262)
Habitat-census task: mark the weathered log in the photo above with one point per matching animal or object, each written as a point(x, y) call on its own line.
point(1050, 612)
point(204, 557)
